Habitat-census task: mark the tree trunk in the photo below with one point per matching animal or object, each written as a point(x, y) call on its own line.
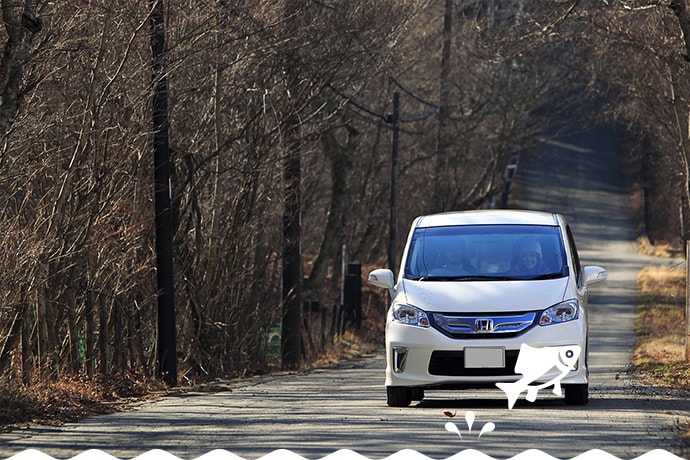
point(11, 340)
point(441, 199)
point(681, 11)
point(27, 323)
point(291, 340)
point(334, 233)
point(21, 24)
point(102, 338)
point(42, 329)
point(74, 359)
point(90, 332)
point(167, 346)
point(119, 338)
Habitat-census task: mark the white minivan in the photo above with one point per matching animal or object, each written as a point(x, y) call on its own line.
point(473, 287)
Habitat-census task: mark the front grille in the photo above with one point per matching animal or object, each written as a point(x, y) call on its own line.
point(483, 326)
point(452, 363)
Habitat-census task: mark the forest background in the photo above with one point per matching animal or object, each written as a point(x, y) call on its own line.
point(302, 134)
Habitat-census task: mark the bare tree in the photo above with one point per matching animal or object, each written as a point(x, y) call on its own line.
point(281, 116)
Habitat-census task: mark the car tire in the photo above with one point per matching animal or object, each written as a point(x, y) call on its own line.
point(399, 396)
point(417, 394)
point(576, 394)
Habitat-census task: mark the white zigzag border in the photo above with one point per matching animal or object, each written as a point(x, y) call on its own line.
point(345, 454)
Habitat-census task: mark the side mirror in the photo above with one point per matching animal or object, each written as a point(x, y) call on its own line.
point(383, 278)
point(592, 275)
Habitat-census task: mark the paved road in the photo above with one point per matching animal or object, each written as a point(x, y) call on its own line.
point(318, 413)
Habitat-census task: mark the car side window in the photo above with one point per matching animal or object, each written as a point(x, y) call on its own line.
point(573, 253)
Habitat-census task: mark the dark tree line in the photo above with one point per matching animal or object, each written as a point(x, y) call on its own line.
point(281, 140)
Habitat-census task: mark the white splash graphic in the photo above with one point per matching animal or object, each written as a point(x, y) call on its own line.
point(469, 418)
point(534, 363)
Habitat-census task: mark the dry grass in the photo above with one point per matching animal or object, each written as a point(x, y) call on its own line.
point(659, 356)
point(658, 250)
point(347, 346)
point(71, 398)
point(369, 338)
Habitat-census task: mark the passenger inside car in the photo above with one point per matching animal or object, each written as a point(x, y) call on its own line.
point(527, 257)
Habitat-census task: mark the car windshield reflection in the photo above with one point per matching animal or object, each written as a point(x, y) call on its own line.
point(486, 253)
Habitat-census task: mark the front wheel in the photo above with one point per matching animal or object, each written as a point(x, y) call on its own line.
point(398, 396)
point(576, 394)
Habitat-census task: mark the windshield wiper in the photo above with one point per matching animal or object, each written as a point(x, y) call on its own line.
point(482, 278)
point(546, 276)
point(464, 278)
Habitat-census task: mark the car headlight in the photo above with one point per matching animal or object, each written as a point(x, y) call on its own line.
point(566, 311)
point(407, 314)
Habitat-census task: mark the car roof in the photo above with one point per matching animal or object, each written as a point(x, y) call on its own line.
point(488, 217)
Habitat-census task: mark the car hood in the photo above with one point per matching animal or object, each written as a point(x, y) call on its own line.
point(482, 296)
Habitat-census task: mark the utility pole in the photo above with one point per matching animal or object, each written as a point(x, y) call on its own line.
point(291, 324)
point(291, 332)
point(395, 193)
point(167, 349)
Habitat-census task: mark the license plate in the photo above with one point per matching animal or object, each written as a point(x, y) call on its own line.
point(476, 357)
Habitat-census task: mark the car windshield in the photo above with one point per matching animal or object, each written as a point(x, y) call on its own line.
point(486, 252)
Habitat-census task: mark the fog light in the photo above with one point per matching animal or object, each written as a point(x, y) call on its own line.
point(399, 359)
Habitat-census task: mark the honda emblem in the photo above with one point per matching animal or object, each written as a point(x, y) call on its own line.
point(484, 325)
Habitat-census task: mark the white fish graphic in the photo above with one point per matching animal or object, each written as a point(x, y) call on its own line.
point(533, 363)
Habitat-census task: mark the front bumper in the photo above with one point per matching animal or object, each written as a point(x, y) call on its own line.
point(424, 357)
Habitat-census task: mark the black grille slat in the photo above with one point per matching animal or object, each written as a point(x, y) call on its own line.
point(452, 363)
